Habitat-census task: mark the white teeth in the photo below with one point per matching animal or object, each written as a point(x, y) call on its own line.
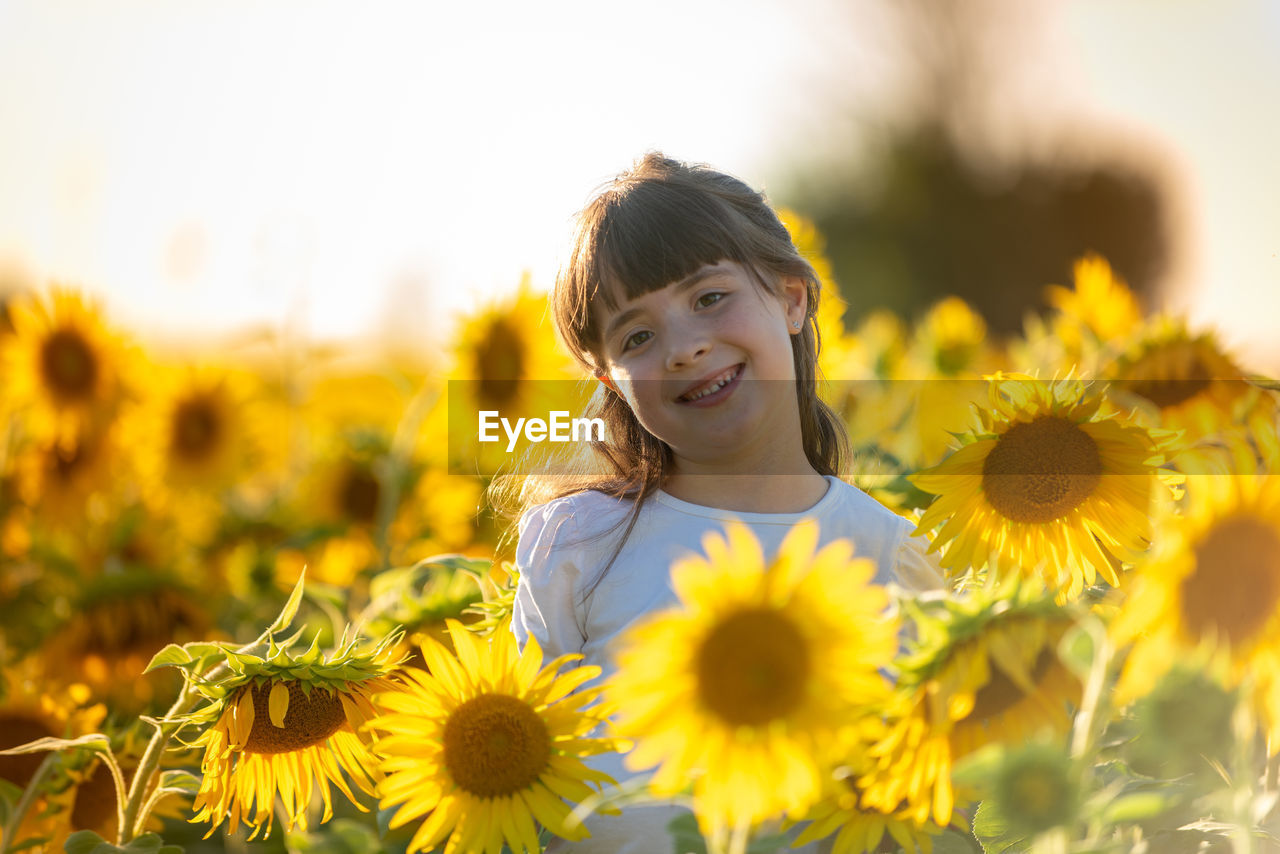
point(714, 387)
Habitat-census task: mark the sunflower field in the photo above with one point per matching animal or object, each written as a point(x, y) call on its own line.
point(256, 599)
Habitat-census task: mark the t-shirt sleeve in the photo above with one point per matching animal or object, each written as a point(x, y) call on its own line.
point(915, 569)
point(546, 600)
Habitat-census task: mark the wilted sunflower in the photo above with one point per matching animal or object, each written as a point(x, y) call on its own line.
point(1044, 485)
point(63, 366)
point(1210, 590)
point(1191, 383)
point(289, 726)
point(985, 669)
point(482, 745)
point(750, 687)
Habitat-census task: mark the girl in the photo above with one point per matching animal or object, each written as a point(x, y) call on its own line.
point(685, 296)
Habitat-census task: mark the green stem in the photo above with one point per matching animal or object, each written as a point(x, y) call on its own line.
point(133, 814)
point(117, 776)
point(149, 767)
point(24, 803)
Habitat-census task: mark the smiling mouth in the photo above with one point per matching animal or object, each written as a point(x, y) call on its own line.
point(710, 388)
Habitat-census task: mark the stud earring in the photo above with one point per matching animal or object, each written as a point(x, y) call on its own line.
point(795, 324)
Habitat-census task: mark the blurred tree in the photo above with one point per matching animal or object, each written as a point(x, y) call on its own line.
point(947, 202)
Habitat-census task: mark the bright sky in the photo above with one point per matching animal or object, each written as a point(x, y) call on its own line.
point(336, 168)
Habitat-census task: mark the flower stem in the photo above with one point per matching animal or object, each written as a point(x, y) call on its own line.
point(24, 804)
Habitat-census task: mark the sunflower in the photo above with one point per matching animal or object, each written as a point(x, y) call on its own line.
point(199, 429)
point(752, 686)
point(506, 359)
point(290, 726)
point(949, 341)
point(1044, 484)
point(985, 669)
point(67, 482)
point(1210, 591)
point(1097, 312)
point(833, 359)
point(486, 743)
point(64, 365)
point(858, 828)
point(1190, 383)
point(117, 623)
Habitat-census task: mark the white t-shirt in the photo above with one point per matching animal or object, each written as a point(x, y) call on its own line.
point(565, 543)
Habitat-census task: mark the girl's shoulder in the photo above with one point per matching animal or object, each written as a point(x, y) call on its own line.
point(584, 515)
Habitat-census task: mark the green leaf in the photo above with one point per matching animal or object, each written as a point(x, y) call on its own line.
point(180, 781)
point(954, 842)
point(992, 830)
point(171, 656)
point(290, 609)
point(685, 835)
point(95, 739)
point(82, 842)
point(1137, 807)
point(1077, 650)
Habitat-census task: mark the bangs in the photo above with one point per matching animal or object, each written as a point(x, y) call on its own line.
point(656, 234)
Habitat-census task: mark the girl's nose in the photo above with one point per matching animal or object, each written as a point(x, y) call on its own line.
point(686, 351)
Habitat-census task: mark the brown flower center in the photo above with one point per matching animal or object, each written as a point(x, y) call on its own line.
point(197, 427)
point(1001, 693)
point(495, 745)
point(68, 365)
point(500, 363)
point(753, 667)
point(1235, 586)
point(1041, 470)
point(1170, 375)
point(358, 494)
point(310, 719)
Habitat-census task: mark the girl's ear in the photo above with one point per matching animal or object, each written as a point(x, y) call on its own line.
point(794, 292)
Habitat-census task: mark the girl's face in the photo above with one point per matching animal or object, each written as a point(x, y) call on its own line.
point(706, 363)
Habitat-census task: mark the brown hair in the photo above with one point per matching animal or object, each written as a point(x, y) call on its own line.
point(655, 224)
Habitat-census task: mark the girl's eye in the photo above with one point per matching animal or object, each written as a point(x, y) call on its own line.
point(636, 340)
point(709, 299)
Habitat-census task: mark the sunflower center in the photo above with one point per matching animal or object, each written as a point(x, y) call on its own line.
point(1235, 586)
point(753, 667)
point(67, 365)
point(1172, 377)
point(500, 359)
point(196, 429)
point(358, 495)
point(1001, 693)
point(311, 719)
point(16, 728)
point(1041, 470)
point(495, 745)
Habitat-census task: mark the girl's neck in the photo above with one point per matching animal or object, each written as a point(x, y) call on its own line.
point(749, 493)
